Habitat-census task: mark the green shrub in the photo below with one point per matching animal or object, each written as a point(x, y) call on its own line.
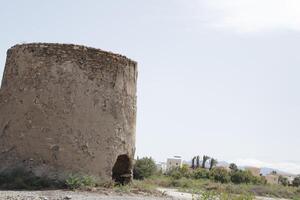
point(144, 168)
point(219, 175)
point(208, 195)
point(283, 181)
point(78, 181)
point(241, 176)
point(296, 181)
point(181, 183)
point(245, 176)
point(200, 173)
point(233, 167)
point(177, 173)
point(20, 178)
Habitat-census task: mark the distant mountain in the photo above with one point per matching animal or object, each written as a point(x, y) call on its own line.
point(265, 170)
point(223, 164)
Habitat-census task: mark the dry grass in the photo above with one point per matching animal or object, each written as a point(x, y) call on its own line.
point(199, 185)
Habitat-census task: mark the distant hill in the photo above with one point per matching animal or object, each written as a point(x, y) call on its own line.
point(223, 164)
point(265, 170)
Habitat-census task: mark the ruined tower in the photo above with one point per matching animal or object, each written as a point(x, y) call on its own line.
point(67, 109)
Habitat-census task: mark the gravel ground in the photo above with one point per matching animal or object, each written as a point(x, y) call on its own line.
point(70, 195)
point(172, 194)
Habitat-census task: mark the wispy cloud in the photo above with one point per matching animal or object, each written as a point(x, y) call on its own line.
point(282, 166)
point(253, 15)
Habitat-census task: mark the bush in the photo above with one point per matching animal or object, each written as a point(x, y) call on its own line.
point(241, 176)
point(144, 168)
point(175, 173)
point(179, 172)
point(245, 176)
point(78, 181)
point(219, 175)
point(233, 167)
point(21, 179)
point(182, 183)
point(283, 181)
point(296, 181)
point(259, 180)
point(200, 173)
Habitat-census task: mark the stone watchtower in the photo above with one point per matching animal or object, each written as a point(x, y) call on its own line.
point(68, 109)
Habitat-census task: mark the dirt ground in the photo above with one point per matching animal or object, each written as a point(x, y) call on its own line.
point(71, 195)
point(187, 196)
point(172, 194)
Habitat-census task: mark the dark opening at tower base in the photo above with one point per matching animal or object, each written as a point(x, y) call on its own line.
point(121, 172)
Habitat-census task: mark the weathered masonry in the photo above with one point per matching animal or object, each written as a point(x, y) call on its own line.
point(68, 109)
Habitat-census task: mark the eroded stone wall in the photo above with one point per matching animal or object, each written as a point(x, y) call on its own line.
point(66, 109)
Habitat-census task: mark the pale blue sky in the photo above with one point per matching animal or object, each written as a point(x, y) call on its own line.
point(216, 77)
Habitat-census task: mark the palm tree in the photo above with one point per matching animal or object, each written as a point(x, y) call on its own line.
point(274, 172)
point(213, 163)
point(193, 162)
point(198, 161)
point(205, 158)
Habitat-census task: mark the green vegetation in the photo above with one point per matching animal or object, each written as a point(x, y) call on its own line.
point(200, 174)
point(137, 186)
point(204, 160)
point(296, 182)
point(213, 162)
point(244, 176)
point(221, 183)
point(25, 180)
point(211, 195)
point(216, 174)
point(219, 175)
point(20, 179)
point(283, 181)
point(79, 181)
point(144, 168)
point(213, 183)
point(199, 186)
point(233, 167)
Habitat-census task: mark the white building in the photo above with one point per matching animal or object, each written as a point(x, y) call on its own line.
point(162, 166)
point(174, 162)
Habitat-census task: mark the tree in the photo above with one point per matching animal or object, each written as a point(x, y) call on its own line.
point(179, 172)
point(241, 176)
point(213, 163)
point(283, 180)
point(233, 167)
point(219, 175)
point(200, 174)
point(274, 172)
point(198, 162)
point(193, 162)
point(205, 159)
point(296, 181)
point(144, 168)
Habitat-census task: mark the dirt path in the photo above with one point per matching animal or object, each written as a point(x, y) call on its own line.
point(187, 196)
point(172, 194)
point(70, 195)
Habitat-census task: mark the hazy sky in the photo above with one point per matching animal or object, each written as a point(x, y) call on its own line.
point(216, 77)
